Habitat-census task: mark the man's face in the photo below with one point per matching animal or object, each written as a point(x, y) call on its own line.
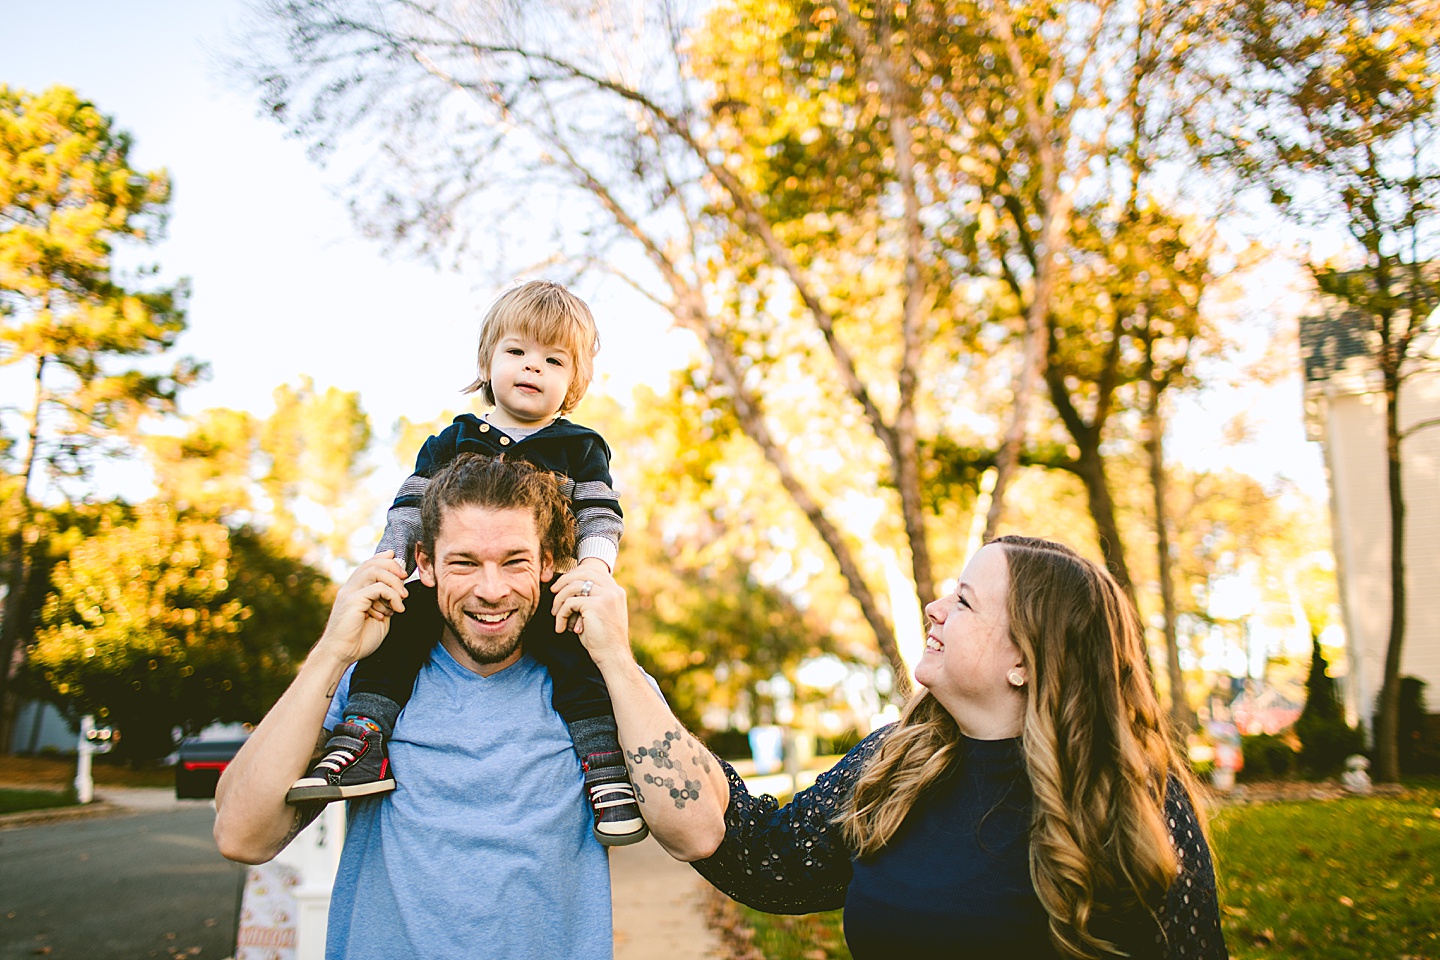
point(487, 570)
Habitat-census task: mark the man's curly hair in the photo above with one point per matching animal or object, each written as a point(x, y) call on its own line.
point(473, 479)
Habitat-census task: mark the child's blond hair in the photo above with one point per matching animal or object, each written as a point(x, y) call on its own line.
point(544, 311)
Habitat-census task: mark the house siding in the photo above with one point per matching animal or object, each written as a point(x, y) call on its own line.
point(1354, 442)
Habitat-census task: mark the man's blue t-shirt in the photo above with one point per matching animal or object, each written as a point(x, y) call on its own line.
point(485, 848)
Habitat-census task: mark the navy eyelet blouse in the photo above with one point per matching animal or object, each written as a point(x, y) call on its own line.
point(955, 880)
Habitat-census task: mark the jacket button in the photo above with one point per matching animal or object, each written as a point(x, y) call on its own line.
point(484, 427)
point(504, 441)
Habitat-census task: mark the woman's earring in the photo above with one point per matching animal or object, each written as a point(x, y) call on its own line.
point(1016, 678)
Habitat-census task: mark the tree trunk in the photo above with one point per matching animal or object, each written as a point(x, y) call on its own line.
point(1387, 716)
point(17, 574)
point(1180, 713)
point(1090, 468)
point(904, 445)
point(690, 311)
point(755, 427)
point(17, 569)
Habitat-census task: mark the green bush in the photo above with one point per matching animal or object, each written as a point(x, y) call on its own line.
point(1324, 745)
point(1267, 757)
point(1419, 748)
point(1325, 738)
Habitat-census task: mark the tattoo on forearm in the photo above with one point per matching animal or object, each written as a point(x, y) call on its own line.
point(670, 773)
point(304, 816)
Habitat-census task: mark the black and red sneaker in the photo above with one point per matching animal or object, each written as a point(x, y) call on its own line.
point(354, 765)
point(612, 798)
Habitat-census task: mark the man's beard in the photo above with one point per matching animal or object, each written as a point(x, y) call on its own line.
point(498, 649)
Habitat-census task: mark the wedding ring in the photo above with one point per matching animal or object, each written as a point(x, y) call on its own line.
point(586, 587)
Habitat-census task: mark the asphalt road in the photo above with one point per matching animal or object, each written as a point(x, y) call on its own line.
point(124, 887)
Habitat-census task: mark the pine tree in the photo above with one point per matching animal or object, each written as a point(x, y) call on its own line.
point(1325, 738)
point(81, 333)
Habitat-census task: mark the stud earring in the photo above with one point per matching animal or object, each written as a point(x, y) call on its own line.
point(1016, 678)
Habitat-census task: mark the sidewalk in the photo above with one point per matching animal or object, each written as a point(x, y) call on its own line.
point(109, 801)
point(658, 906)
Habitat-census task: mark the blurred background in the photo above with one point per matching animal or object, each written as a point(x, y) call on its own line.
point(873, 284)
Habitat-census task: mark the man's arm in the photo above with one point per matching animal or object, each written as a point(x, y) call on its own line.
point(681, 789)
point(252, 820)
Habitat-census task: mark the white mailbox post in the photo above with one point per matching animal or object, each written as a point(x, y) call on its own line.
point(286, 904)
point(93, 740)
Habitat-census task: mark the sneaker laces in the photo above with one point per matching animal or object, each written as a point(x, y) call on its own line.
point(626, 794)
point(341, 757)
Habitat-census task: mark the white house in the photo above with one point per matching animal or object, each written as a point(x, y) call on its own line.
point(1345, 413)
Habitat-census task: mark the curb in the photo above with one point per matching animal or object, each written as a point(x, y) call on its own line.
point(88, 811)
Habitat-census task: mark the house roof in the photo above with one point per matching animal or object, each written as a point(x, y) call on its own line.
point(1341, 340)
point(1331, 339)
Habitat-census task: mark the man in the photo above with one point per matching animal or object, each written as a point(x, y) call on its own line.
point(482, 851)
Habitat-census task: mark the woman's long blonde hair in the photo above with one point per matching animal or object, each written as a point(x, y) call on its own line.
point(1096, 743)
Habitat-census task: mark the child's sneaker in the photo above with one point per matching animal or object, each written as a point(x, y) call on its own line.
point(612, 797)
point(355, 765)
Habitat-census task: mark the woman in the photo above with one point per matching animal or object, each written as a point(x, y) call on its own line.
point(1029, 803)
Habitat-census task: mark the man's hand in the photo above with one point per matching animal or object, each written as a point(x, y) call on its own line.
point(597, 613)
point(657, 748)
point(360, 618)
point(252, 820)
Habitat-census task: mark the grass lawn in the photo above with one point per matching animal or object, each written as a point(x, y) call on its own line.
point(60, 772)
point(14, 801)
point(1341, 880)
point(1347, 879)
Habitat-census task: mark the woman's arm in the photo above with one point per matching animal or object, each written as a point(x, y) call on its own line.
point(1191, 918)
point(790, 859)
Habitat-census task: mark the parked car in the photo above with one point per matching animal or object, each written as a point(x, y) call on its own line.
point(202, 758)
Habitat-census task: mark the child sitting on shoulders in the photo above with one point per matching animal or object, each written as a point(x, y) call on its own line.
point(535, 360)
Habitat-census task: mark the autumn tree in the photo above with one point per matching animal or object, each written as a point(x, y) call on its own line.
point(297, 473)
point(80, 332)
point(842, 202)
point(161, 620)
point(1333, 115)
point(548, 109)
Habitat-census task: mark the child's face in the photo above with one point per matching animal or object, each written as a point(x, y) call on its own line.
point(529, 380)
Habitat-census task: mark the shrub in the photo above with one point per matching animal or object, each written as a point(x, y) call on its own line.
point(1325, 738)
point(729, 744)
point(1419, 749)
point(1267, 757)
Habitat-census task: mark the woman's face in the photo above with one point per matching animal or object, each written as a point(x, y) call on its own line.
point(969, 653)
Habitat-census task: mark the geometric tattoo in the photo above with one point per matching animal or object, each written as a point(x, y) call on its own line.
point(670, 774)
